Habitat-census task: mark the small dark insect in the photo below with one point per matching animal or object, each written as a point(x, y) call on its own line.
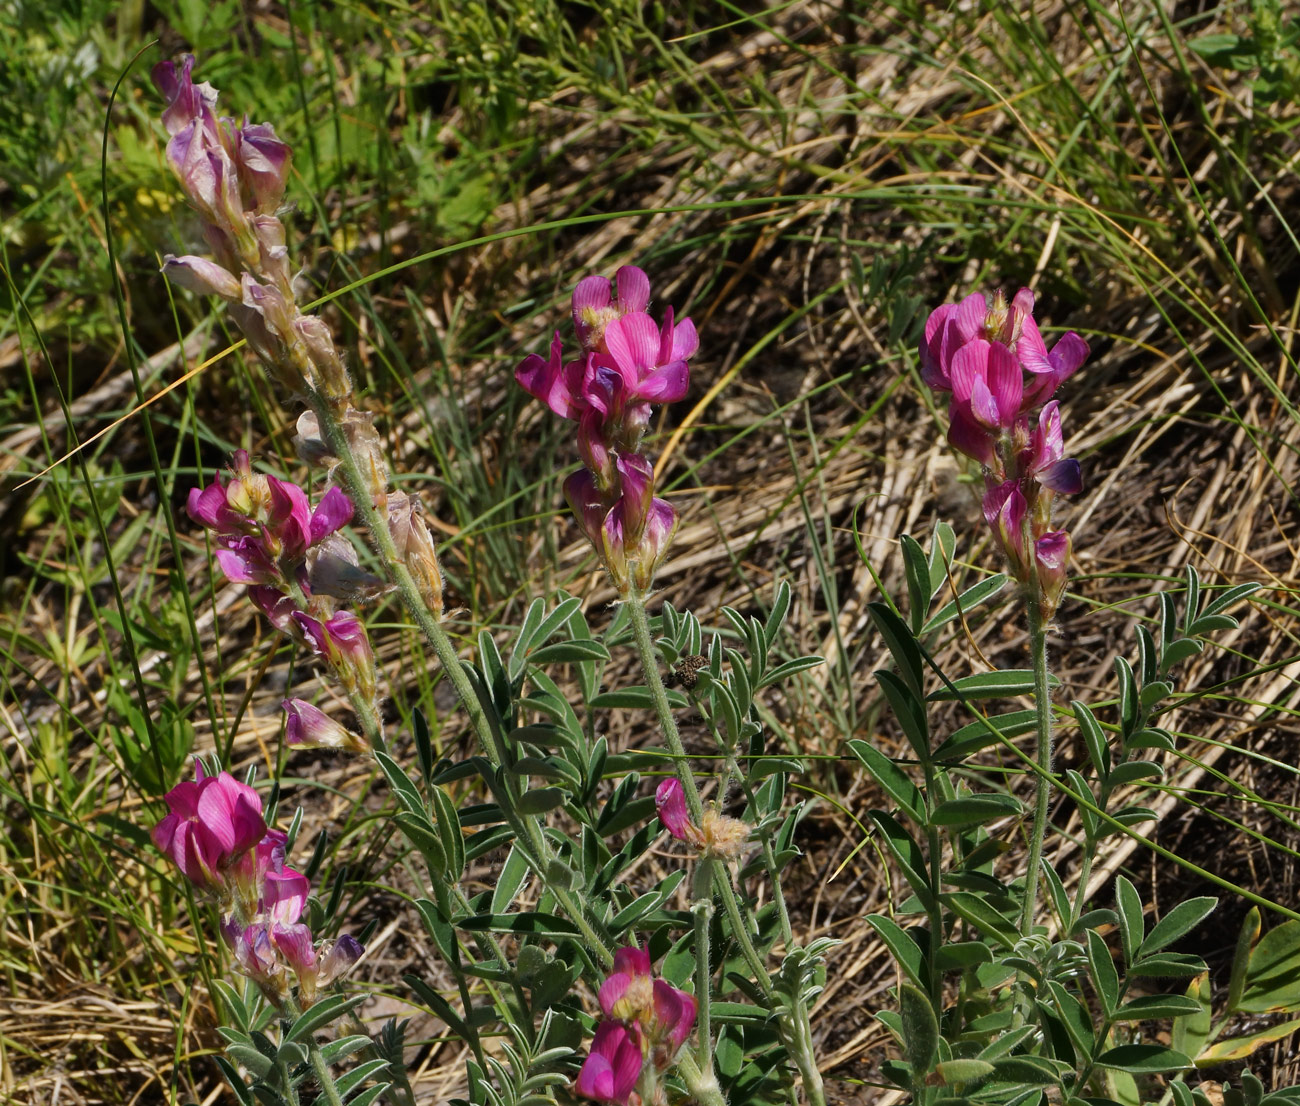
point(686, 671)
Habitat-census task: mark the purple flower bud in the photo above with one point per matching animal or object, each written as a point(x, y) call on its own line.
point(674, 1015)
point(1005, 509)
point(660, 526)
point(1052, 560)
point(198, 274)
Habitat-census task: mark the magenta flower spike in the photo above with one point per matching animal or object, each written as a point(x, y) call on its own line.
point(214, 821)
point(612, 1068)
point(628, 364)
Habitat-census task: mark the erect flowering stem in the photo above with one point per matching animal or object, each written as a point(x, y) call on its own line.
point(319, 1065)
point(800, 1031)
point(1043, 757)
point(703, 1085)
point(702, 909)
point(359, 490)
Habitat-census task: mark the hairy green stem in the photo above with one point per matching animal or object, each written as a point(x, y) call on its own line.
point(1043, 758)
point(395, 569)
point(702, 908)
point(795, 1025)
point(703, 1087)
point(668, 724)
point(329, 1092)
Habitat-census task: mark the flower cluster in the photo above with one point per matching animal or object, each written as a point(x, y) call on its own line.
point(627, 364)
point(235, 176)
point(646, 1022)
point(716, 837)
point(993, 361)
point(217, 836)
point(295, 562)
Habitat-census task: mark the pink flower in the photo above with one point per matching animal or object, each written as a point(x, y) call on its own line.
point(198, 274)
point(1005, 510)
point(670, 802)
point(214, 821)
point(595, 305)
point(631, 994)
point(612, 1068)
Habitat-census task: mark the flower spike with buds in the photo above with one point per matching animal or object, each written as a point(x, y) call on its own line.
point(627, 364)
point(992, 358)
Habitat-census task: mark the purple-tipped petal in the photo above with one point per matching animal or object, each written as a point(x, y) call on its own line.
point(664, 385)
point(1063, 476)
point(263, 165)
point(1068, 354)
point(294, 944)
point(967, 436)
point(278, 607)
point(309, 725)
point(632, 959)
point(341, 958)
point(674, 1013)
point(284, 895)
point(611, 1070)
point(549, 380)
point(685, 340)
point(584, 500)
